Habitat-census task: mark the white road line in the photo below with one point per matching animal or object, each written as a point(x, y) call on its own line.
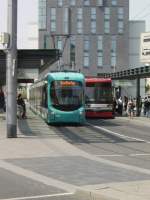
point(122, 155)
point(140, 154)
point(110, 155)
point(118, 134)
point(39, 196)
point(38, 177)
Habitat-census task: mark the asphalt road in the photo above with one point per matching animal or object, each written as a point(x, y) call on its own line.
point(99, 152)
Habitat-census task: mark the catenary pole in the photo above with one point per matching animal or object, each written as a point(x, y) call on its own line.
point(11, 71)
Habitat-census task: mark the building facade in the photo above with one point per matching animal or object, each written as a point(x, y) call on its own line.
point(93, 35)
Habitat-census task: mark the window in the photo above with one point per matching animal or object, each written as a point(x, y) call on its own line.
point(66, 22)
point(113, 51)
point(86, 2)
point(53, 19)
point(107, 26)
point(59, 43)
point(86, 60)
point(72, 2)
point(107, 20)
point(60, 3)
point(72, 50)
point(93, 20)
point(42, 14)
point(99, 59)
point(120, 26)
point(99, 2)
point(79, 20)
point(86, 55)
point(120, 13)
point(46, 42)
point(113, 44)
point(100, 51)
point(114, 2)
point(100, 43)
point(107, 13)
point(93, 13)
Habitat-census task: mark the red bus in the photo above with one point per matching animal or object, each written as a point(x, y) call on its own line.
point(98, 97)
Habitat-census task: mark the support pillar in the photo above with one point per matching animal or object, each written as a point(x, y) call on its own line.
point(138, 97)
point(11, 71)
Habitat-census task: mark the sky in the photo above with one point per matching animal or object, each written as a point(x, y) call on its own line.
point(28, 13)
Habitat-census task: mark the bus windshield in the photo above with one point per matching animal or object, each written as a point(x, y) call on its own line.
point(98, 93)
point(66, 95)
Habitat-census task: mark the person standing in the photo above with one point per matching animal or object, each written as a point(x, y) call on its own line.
point(2, 100)
point(21, 102)
point(120, 106)
point(130, 108)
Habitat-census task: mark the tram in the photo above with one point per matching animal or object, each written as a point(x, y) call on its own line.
point(59, 97)
point(98, 97)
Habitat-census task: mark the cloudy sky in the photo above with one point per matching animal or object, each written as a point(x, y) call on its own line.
point(27, 13)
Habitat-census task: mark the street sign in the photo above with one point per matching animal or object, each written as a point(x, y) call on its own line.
point(145, 48)
point(4, 38)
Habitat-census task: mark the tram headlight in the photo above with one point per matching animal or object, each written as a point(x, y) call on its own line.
point(52, 113)
point(81, 112)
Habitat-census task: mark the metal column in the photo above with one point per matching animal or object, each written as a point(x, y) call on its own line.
point(138, 96)
point(11, 71)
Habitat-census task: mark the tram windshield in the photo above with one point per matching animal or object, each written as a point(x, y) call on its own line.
point(98, 93)
point(66, 95)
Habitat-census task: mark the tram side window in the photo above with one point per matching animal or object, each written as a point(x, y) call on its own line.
point(44, 96)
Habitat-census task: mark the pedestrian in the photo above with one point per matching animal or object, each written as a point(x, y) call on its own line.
point(145, 106)
point(120, 106)
point(2, 100)
point(21, 102)
point(114, 104)
point(130, 108)
point(148, 108)
point(125, 103)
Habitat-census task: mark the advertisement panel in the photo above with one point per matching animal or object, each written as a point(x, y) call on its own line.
point(145, 48)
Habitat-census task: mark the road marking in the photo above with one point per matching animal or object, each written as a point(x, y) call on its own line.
point(118, 134)
point(38, 177)
point(40, 196)
point(122, 155)
point(140, 154)
point(110, 155)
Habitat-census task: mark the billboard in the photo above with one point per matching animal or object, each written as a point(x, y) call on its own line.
point(145, 48)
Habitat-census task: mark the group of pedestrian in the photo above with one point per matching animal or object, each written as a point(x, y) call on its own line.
point(20, 102)
point(127, 105)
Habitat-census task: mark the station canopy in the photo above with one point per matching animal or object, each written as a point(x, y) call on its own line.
point(29, 59)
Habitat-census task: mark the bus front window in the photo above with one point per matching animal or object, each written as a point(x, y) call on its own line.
point(98, 93)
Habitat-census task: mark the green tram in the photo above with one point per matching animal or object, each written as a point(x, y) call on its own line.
point(59, 97)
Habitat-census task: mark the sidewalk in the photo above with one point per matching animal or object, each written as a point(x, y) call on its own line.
point(35, 140)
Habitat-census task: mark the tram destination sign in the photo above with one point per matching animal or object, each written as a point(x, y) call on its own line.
point(145, 48)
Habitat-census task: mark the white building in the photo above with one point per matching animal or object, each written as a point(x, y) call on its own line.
point(32, 36)
point(129, 87)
